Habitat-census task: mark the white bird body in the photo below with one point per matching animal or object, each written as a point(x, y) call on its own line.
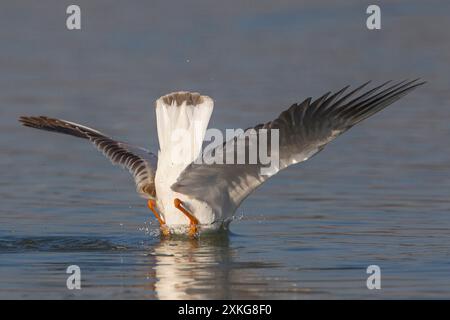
point(182, 119)
point(185, 193)
point(170, 214)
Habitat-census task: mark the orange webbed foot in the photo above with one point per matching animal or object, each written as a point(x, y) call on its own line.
point(193, 221)
point(162, 225)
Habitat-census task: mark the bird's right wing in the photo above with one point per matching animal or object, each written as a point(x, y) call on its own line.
point(140, 162)
point(304, 130)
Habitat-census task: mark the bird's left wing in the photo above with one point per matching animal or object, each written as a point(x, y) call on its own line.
point(304, 129)
point(140, 162)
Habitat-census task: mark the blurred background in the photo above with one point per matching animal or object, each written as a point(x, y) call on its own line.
point(377, 195)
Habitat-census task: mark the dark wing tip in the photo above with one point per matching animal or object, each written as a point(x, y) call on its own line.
point(422, 82)
point(33, 122)
point(56, 125)
point(408, 85)
point(414, 82)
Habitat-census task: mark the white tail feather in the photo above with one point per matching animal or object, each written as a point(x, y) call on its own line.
point(182, 119)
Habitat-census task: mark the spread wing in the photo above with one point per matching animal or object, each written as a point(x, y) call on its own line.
point(304, 130)
point(140, 162)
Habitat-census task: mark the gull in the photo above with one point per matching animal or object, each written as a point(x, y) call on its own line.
point(190, 196)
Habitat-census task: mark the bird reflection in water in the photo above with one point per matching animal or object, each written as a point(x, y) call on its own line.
point(193, 268)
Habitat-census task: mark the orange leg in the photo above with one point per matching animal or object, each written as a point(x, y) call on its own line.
point(192, 220)
point(162, 225)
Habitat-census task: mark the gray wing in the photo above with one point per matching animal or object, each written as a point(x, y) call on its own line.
point(140, 162)
point(304, 130)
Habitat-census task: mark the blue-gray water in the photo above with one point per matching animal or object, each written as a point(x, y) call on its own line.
point(377, 195)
